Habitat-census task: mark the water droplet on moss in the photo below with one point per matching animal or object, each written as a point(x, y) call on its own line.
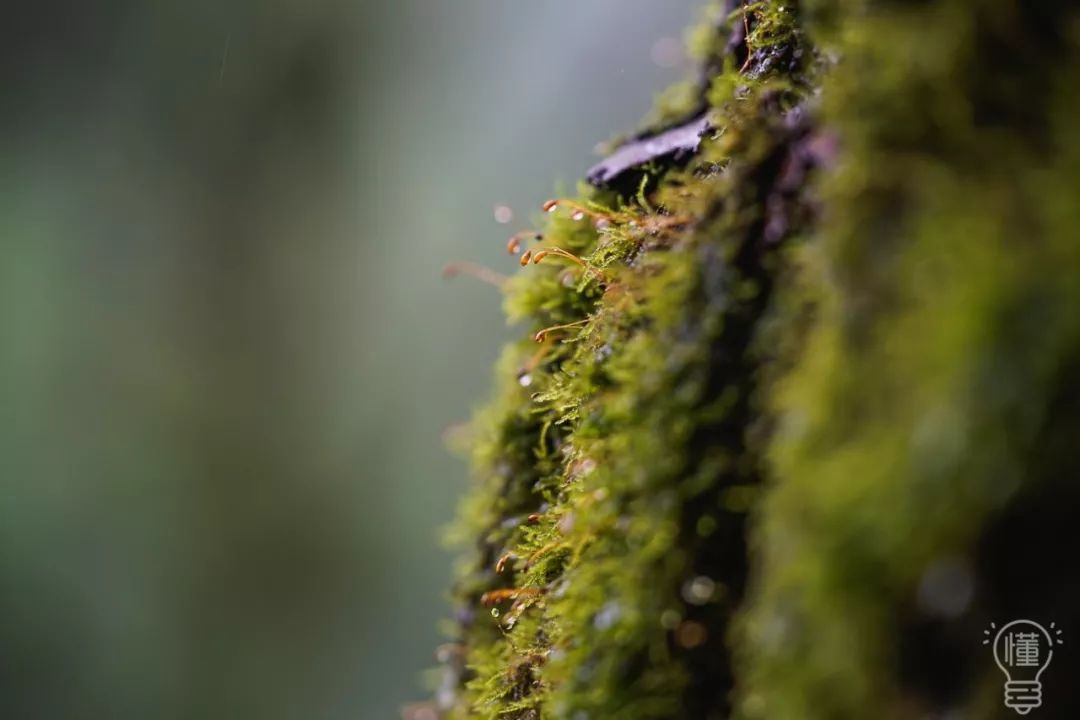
point(566, 523)
point(608, 616)
point(525, 380)
point(699, 590)
point(691, 634)
point(495, 612)
point(946, 588)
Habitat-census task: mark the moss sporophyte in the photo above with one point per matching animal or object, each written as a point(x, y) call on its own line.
point(760, 390)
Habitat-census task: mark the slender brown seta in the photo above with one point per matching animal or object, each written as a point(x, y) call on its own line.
point(481, 273)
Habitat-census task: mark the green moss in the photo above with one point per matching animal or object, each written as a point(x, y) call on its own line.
point(859, 370)
point(614, 437)
point(943, 281)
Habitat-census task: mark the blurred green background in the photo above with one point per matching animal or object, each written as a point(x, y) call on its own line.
point(228, 356)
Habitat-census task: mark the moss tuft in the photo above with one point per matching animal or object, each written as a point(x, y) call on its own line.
point(777, 387)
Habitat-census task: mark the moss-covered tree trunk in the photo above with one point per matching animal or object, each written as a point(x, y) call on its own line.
point(803, 417)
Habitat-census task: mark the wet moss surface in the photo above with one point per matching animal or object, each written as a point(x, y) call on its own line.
point(779, 394)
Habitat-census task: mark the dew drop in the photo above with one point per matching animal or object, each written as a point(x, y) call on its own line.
point(608, 616)
point(691, 634)
point(566, 523)
point(946, 588)
point(503, 214)
point(699, 590)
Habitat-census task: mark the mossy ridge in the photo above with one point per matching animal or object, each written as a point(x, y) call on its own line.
point(944, 284)
point(920, 361)
point(664, 443)
point(613, 469)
